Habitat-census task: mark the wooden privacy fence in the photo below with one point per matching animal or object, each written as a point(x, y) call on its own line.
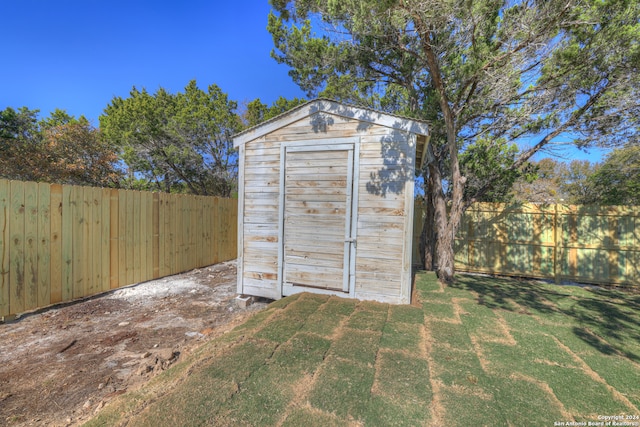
point(599, 245)
point(61, 242)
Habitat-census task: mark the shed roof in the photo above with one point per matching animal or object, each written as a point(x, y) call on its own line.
point(364, 114)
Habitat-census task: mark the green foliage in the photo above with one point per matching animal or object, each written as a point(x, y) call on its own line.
point(257, 112)
point(58, 148)
point(558, 182)
point(76, 152)
point(500, 79)
point(575, 182)
point(19, 138)
point(487, 74)
point(617, 179)
point(613, 182)
point(489, 161)
point(176, 142)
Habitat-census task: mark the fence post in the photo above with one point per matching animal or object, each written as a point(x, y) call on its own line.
point(156, 235)
point(5, 215)
point(114, 238)
point(43, 243)
point(55, 262)
point(557, 244)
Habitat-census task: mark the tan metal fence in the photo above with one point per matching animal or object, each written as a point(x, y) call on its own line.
point(61, 242)
point(599, 245)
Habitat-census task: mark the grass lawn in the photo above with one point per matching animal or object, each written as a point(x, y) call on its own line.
point(484, 351)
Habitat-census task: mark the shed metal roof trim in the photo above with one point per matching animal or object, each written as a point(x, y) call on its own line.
point(332, 107)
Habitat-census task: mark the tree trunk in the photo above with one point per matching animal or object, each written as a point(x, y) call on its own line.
point(428, 236)
point(441, 224)
point(444, 242)
point(446, 225)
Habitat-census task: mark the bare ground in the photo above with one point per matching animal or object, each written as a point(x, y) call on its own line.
point(59, 366)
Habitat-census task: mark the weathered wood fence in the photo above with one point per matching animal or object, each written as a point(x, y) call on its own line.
point(61, 242)
point(599, 245)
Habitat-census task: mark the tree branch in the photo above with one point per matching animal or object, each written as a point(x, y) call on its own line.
point(526, 155)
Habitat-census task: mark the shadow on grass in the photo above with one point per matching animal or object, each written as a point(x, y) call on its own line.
point(606, 319)
point(594, 341)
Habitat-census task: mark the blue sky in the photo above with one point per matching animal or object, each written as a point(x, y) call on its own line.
point(77, 55)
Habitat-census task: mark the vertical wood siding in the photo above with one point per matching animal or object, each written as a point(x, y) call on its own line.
point(386, 163)
point(315, 209)
point(260, 218)
point(61, 242)
point(385, 166)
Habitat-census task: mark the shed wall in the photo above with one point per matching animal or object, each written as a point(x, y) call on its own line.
point(386, 179)
point(258, 273)
point(385, 188)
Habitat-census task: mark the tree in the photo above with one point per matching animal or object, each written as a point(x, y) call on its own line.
point(617, 179)
point(558, 182)
point(74, 152)
point(490, 72)
point(256, 112)
point(479, 164)
point(546, 187)
point(576, 184)
point(19, 139)
point(176, 142)
point(59, 148)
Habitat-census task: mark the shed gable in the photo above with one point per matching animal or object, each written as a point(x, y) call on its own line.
point(319, 169)
point(362, 115)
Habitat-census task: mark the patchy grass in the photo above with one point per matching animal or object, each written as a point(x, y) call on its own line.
point(484, 351)
point(472, 408)
point(397, 398)
point(522, 400)
point(397, 335)
point(450, 335)
point(313, 417)
point(343, 388)
point(457, 368)
point(439, 310)
point(357, 346)
point(369, 320)
point(406, 314)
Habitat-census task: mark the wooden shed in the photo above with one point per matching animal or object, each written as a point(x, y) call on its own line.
point(325, 202)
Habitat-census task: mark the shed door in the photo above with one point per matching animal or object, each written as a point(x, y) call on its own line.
point(317, 218)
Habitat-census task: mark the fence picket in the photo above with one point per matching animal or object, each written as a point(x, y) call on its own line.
point(96, 240)
point(61, 242)
point(129, 237)
point(66, 237)
point(105, 238)
point(149, 222)
point(5, 208)
point(44, 245)
point(162, 234)
point(122, 238)
point(79, 257)
point(16, 251)
point(136, 237)
point(558, 242)
point(114, 241)
point(31, 245)
point(155, 227)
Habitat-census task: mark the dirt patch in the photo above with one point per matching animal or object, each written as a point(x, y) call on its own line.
point(61, 365)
